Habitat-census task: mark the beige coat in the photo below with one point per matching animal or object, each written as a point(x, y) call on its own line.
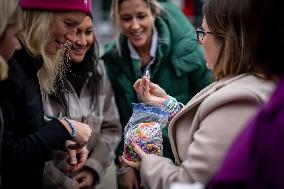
point(202, 131)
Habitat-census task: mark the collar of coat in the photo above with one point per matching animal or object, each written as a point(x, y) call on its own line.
point(199, 97)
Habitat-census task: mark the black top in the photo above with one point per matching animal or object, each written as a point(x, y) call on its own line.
point(28, 140)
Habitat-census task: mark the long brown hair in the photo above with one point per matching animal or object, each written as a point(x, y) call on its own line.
point(226, 19)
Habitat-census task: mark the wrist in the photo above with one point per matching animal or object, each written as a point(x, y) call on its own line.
point(163, 100)
point(71, 128)
point(120, 164)
point(171, 106)
point(122, 170)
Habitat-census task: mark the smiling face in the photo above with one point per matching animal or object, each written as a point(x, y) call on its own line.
point(85, 39)
point(136, 22)
point(9, 42)
point(63, 28)
point(212, 47)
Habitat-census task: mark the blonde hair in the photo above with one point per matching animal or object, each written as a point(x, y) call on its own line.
point(153, 5)
point(8, 16)
point(35, 37)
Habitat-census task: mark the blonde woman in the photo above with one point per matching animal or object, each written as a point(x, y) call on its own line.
point(28, 141)
point(87, 87)
point(202, 131)
point(158, 38)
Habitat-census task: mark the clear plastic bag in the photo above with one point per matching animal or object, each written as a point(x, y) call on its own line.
point(145, 129)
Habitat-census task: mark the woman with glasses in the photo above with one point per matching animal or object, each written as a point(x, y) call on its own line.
point(156, 37)
point(259, 148)
point(201, 132)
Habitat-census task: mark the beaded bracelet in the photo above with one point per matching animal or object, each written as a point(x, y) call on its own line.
point(73, 130)
point(172, 106)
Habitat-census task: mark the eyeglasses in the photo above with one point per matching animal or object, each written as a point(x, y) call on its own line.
point(200, 34)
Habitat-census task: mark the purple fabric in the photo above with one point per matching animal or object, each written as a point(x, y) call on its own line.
point(256, 159)
point(57, 5)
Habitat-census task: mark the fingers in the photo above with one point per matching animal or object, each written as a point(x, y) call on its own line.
point(140, 153)
point(85, 179)
point(133, 164)
point(141, 89)
point(78, 176)
point(153, 86)
point(70, 145)
point(157, 90)
point(148, 91)
point(75, 146)
point(76, 168)
point(146, 88)
point(72, 153)
point(75, 184)
point(72, 157)
point(86, 182)
point(136, 85)
point(82, 155)
point(138, 150)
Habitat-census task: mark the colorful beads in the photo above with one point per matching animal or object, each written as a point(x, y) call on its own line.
point(146, 135)
point(145, 129)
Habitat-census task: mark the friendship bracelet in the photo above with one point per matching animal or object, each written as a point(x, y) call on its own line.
point(172, 106)
point(73, 130)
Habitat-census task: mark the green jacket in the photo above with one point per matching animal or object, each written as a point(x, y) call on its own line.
point(179, 66)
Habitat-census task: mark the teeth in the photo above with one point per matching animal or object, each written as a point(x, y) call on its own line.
point(78, 50)
point(137, 33)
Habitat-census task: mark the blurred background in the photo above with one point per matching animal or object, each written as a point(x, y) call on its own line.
point(101, 9)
